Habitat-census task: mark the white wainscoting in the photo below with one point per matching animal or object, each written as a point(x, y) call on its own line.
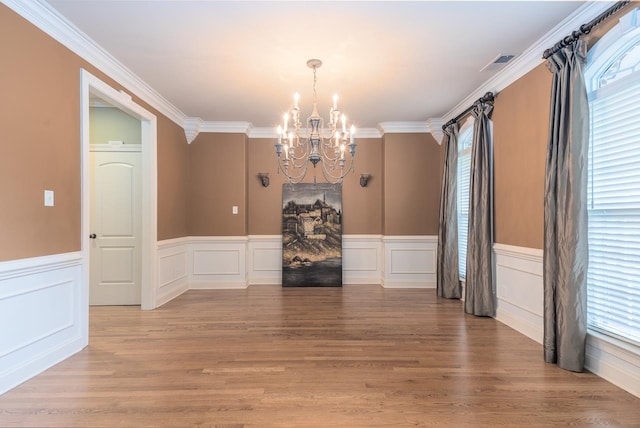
point(518, 277)
point(361, 259)
point(409, 261)
point(217, 262)
point(173, 278)
point(519, 287)
point(42, 315)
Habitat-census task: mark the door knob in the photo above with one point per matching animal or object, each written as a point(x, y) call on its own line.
point(92, 236)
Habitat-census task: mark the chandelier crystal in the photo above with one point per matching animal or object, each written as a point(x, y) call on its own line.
point(315, 144)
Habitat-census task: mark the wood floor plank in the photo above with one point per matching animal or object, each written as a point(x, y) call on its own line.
point(267, 356)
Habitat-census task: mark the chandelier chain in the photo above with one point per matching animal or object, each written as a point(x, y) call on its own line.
point(315, 93)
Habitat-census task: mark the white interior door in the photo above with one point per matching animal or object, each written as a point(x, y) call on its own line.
point(115, 255)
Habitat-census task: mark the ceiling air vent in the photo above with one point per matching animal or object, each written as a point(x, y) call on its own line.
point(498, 62)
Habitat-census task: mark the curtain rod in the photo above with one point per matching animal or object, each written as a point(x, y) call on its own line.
point(486, 98)
point(585, 28)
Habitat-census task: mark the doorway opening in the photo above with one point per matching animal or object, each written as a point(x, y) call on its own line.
point(94, 88)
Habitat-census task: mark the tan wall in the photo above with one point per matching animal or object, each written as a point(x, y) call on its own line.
point(217, 181)
point(521, 126)
point(362, 206)
point(265, 203)
point(173, 180)
point(40, 146)
point(412, 173)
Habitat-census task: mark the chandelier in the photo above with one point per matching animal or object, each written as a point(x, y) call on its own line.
point(314, 144)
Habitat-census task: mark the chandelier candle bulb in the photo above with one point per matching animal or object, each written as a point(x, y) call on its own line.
point(335, 101)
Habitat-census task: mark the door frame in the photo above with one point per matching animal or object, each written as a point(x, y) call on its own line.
point(90, 85)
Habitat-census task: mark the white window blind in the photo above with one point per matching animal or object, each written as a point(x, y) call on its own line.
point(464, 176)
point(613, 279)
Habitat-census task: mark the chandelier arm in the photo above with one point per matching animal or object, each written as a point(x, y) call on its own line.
point(293, 178)
point(335, 179)
point(327, 148)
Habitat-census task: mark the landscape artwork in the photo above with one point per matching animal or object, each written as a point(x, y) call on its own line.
point(312, 235)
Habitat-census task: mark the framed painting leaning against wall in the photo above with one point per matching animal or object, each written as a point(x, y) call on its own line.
point(311, 235)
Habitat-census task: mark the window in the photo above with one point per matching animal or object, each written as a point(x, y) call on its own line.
point(613, 278)
point(465, 140)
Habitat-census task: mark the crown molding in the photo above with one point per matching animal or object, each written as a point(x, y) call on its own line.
point(226, 127)
point(262, 132)
point(434, 125)
point(532, 56)
point(47, 19)
point(402, 127)
point(368, 133)
point(192, 127)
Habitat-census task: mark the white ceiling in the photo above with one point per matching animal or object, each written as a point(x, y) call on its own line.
point(242, 60)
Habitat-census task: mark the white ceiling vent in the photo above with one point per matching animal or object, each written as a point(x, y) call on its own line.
point(498, 62)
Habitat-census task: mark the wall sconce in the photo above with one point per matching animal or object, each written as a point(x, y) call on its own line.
point(364, 179)
point(264, 178)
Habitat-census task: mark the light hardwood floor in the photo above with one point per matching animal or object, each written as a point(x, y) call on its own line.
point(358, 356)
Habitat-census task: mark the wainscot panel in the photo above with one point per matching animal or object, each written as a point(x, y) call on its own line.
point(217, 262)
point(42, 315)
point(409, 261)
point(173, 279)
point(518, 276)
point(265, 259)
point(362, 259)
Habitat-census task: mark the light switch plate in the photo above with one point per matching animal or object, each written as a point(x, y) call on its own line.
point(234, 209)
point(48, 198)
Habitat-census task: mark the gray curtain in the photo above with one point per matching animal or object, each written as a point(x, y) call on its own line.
point(479, 295)
point(565, 211)
point(448, 281)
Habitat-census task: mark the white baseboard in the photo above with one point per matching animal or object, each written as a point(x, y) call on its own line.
point(616, 361)
point(203, 284)
point(42, 315)
point(410, 283)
